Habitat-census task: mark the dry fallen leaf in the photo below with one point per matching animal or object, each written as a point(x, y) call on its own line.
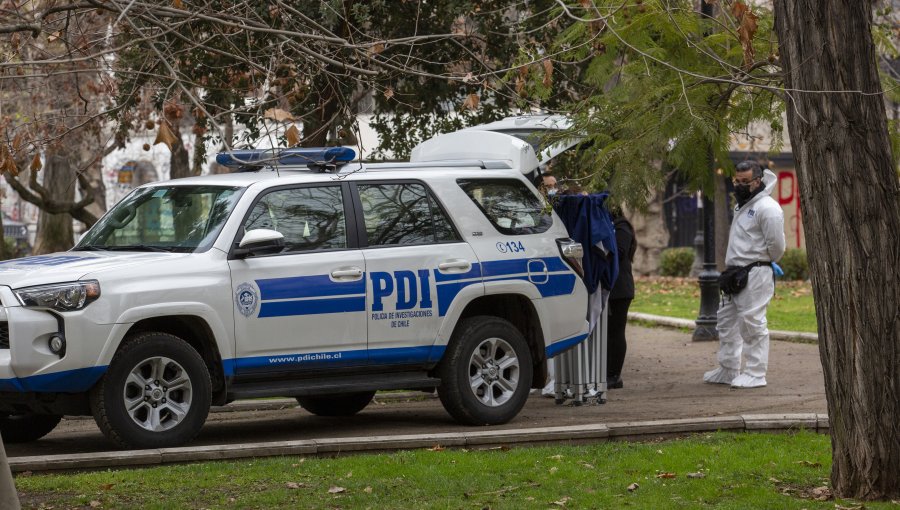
point(666, 475)
point(336, 490)
point(292, 134)
point(95, 504)
point(437, 448)
point(633, 487)
point(294, 485)
point(165, 135)
point(471, 102)
point(562, 502)
point(389, 92)
point(278, 115)
point(696, 475)
point(368, 490)
point(821, 493)
point(107, 486)
point(808, 463)
point(36, 164)
point(548, 73)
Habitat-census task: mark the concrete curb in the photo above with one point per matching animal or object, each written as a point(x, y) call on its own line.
point(473, 439)
point(672, 322)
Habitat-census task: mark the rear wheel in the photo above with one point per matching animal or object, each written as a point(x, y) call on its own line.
point(156, 393)
point(486, 372)
point(24, 428)
point(337, 405)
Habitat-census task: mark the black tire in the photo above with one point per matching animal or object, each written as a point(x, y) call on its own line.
point(24, 428)
point(147, 355)
point(504, 391)
point(337, 405)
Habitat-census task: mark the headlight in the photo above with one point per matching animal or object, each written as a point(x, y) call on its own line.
point(63, 297)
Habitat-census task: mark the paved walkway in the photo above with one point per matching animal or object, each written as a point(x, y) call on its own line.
point(663, 382)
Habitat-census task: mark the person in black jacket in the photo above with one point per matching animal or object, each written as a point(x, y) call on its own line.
point(619, 301)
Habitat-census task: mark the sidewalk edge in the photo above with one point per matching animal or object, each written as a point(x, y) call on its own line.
point(471, 439)
point(674, 322)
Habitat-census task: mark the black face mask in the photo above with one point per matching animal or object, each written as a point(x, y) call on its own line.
point(742, 192)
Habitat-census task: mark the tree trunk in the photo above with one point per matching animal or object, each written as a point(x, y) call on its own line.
point(180, 161)
point(54, 231)
point(850, 201)
point(9, 498)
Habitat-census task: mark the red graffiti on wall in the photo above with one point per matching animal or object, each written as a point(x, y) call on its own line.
point(789, 194)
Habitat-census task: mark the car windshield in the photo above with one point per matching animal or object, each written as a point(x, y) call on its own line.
point(180, 219)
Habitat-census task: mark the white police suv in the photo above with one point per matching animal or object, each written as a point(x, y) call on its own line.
point(304, 275)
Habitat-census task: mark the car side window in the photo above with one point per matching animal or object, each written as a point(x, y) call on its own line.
point(403, 214)
point(510, 206)
point(310, 218)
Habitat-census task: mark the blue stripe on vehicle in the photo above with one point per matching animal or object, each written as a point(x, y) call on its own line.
point(562, 345)
point(446, 293)
point(504, 267)
point(518, 266)
point(296, 287)
point(474, 272)
point(312, 306)
point(46, 260)
point(402, 355)
point(556, 264)
point(295, 361)
point(66, 381)
point(389, 356)
point(556, 284)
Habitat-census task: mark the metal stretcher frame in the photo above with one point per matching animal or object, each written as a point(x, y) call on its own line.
point(580, 372)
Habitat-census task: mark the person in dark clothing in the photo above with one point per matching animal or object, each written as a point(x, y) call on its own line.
point(619, 301)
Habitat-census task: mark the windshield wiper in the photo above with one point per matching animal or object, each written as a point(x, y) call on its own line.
point(90, 247)
point(142, 247)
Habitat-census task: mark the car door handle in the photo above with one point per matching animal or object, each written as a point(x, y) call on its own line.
point(347, 272)
point(459, 264)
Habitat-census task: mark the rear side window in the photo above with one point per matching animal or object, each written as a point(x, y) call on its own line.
point(403, 214)
point(510, 206)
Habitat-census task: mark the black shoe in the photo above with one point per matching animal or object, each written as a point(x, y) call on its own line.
point(614, 382)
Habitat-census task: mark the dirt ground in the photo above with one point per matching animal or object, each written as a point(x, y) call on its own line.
point(662, 376)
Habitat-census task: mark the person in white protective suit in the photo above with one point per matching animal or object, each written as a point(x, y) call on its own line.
point(755, 241)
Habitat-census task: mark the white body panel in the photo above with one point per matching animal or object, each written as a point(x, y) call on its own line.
point(307, 323)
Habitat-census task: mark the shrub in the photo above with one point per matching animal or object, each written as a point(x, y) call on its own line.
point(794, 264)
point(676, 262)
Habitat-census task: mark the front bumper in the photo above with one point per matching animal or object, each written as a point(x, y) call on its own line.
point(28, 365)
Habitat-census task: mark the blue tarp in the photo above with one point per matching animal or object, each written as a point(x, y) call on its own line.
point(588, 222)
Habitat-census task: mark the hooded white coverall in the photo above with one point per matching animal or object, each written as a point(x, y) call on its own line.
point(757, 234)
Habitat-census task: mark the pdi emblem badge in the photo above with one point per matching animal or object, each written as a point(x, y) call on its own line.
point(246, 299)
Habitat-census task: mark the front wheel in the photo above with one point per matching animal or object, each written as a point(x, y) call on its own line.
point(486, 372)
point(24, 428)
point(347, 404)
point(156, 393)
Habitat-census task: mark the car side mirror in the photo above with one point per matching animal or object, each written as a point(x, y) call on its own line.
point(260, 241)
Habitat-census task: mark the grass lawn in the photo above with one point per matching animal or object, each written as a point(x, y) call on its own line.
point(791, 309)
point(720, 470)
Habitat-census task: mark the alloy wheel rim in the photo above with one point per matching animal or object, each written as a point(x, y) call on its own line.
point(494, 372)
point(157, 394)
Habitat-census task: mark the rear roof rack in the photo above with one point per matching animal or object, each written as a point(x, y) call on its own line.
point(319, 159)
point(487, 164)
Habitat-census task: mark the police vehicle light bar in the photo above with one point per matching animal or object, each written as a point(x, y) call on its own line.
point(313, 156)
